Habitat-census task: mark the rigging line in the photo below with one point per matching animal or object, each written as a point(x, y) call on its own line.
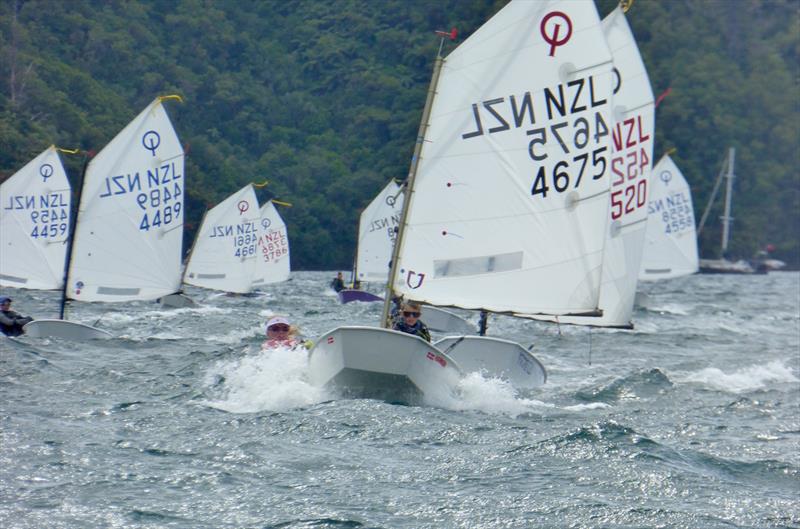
point(450, 348)
point(710, 203)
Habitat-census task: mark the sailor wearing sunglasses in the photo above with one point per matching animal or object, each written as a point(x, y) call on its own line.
point(408, 321)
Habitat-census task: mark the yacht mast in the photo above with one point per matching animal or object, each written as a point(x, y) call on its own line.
point(726, 217)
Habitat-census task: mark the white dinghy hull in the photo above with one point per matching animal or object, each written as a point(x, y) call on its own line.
point(370, 362)
point(495, 357)
point(67, 330)
point(440, 320)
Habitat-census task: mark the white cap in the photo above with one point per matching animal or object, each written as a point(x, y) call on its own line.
point(277, 320)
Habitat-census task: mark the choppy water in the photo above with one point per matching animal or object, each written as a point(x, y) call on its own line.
point(692, 420)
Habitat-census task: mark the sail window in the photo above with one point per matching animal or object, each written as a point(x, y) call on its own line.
point(470, 266)
point(13, 279)
point(112, 291)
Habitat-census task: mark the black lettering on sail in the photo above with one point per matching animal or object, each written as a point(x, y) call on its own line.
point(488, 106)
point(595, 103)
point(551, 101)
point(575, 108)
point(519, 113)
point(479, 125)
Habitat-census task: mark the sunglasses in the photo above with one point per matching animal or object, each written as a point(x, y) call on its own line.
point(410, 314)
point(279, 328)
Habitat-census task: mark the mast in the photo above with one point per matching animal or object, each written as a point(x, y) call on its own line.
point(191, 250)
point(409, 187)
point(726, 217)
point(71, 238)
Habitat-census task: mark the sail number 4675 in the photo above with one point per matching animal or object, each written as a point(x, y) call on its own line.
point(568, 173)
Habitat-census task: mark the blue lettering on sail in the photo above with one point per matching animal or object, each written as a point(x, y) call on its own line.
point(151, 140)
point(160, 196)
point(244, 237)
point(158, 192)
point(248, 227)
point(46, 215)
point(221, 231)
point(676, 213)
point(654, 206)
point(46, 200)
point(132, 182)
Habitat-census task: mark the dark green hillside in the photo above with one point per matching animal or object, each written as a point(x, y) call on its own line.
point(323, 99)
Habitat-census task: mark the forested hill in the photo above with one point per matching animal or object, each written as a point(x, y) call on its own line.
point(323, 98)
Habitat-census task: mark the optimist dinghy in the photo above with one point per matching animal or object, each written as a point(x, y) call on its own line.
point(496, 358)
point(507, 196)
point(126, 237)
point(369, 362)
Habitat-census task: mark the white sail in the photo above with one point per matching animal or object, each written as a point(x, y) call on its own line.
point(377, 231)
point(129, 231)
point(671, 244)
point(631, 164)
point(34, 224)
point(509, 206)
point(225, 251)
point(273, 262)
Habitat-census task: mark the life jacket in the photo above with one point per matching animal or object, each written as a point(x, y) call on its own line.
point(289, 343)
